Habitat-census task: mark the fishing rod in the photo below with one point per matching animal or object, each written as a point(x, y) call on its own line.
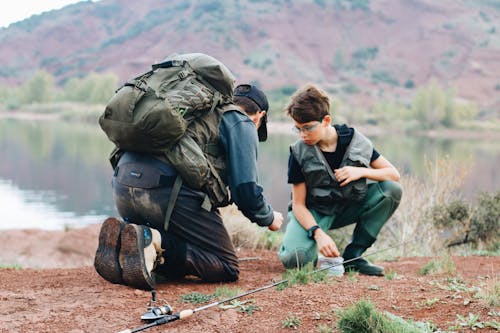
point(167, 317)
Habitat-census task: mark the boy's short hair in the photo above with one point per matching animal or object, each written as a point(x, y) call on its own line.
point(308, 103)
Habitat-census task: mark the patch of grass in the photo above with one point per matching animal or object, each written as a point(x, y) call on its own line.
point(226, 292)
point(363, 317)
point(351, 275)
point(473, 322)
point(444, 265)
point(428, 268)
point(249, 309)
point(11, 266)
point(459, 289)
point(428, 303)
point(320, 276)
point(447, 265)
point(291, 322)
point(302, 275)
point(490, 293)
point(247, 306)
point(196, 298)
point(457, 285)
point(325, 329)
point(391, 275)
point(220, 293)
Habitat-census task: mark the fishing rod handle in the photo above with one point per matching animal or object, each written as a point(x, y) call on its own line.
point(185, 313)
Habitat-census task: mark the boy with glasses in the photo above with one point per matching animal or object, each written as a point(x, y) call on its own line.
point(337, 179)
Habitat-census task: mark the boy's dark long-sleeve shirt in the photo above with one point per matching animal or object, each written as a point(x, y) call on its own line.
point(239, 139)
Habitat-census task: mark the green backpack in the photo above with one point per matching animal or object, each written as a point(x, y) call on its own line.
point(152, 113)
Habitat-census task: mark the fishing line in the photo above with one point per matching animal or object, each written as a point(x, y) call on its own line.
point(189, 312)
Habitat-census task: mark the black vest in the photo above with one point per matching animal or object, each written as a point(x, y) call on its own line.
point(323, 191)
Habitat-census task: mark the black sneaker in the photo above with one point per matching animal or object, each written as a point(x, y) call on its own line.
point(106, 261)
point(139, 255)
point(362, 266)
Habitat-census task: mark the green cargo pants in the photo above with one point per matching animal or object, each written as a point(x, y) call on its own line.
point(370, 215)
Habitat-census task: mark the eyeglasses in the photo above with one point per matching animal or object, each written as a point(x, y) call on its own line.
point(305, 129)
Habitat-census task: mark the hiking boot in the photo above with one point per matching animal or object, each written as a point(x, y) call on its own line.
point(140, 252)
point(361, 241)
point(106, 261)
point(362, 266)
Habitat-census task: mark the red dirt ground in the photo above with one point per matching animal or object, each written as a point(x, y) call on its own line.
point(64, 293)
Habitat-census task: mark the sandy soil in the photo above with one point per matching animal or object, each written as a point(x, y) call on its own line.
point(57, 290)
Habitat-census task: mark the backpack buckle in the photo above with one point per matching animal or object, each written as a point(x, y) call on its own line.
point(183, 74)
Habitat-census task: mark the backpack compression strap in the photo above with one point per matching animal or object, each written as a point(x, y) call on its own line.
point(176, 188)
point(171, 200)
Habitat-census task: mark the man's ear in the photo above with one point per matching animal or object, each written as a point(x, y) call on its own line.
point(261, 114)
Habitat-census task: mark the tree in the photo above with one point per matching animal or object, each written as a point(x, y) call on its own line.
point(39, 88)
point(93, 88)
point(429, 105)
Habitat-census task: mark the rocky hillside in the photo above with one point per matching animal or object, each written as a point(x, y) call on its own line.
point(361, 49)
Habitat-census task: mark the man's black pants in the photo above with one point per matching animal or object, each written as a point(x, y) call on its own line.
point(196, 243)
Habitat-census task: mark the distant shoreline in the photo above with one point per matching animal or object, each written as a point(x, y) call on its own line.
point(286, 127)
point(371, 130)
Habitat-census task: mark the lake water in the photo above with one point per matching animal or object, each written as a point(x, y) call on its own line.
point(56, 175)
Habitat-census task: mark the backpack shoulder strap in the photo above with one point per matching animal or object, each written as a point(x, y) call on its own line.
point(231, 107)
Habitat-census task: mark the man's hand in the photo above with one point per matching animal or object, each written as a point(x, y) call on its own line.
point(326, 245)
point(277, 222)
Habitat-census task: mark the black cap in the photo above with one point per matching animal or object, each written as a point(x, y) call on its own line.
point(258, 96)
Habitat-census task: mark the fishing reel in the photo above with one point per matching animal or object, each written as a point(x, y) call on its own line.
point(154, 311)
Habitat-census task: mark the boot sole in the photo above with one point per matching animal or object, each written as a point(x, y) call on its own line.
point(134, 272)
point(106, 261)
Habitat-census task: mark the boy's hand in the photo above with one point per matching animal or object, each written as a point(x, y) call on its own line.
point(348, 174)
point(326, 245)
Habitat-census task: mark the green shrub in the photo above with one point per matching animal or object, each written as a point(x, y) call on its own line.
point(350, 89)
point(450, 214)
point(409, 84)
point(479, 226)
point(363, 5)
point(384, 77)
point(361, 56)
point(485, 223)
